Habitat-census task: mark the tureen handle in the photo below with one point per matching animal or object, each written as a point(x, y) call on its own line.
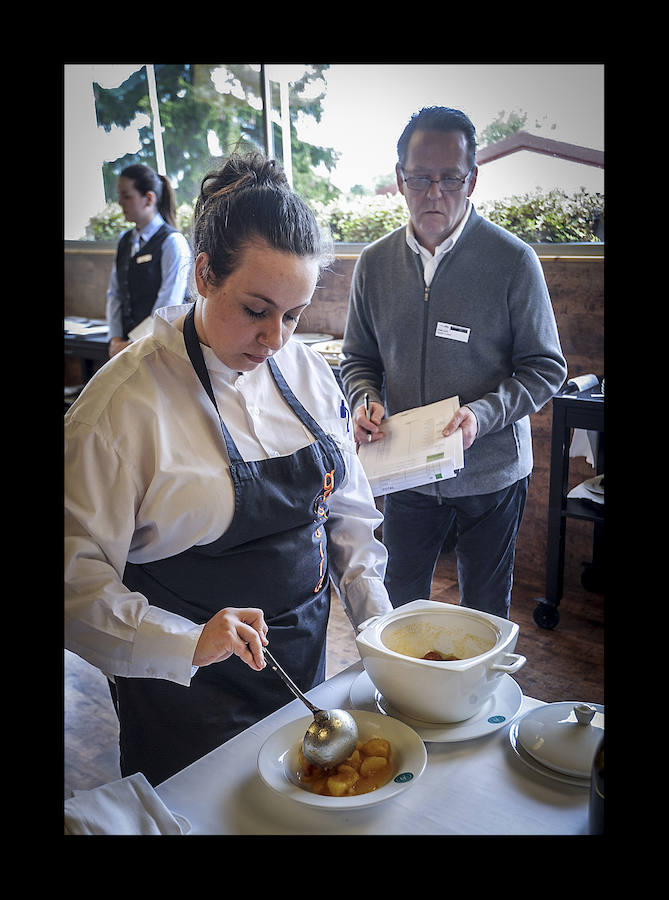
point(518, 663)
point(367, 622)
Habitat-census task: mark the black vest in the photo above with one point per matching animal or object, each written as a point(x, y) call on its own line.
point(139, 277)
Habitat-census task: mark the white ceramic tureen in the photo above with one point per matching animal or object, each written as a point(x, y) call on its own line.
point(392, 648)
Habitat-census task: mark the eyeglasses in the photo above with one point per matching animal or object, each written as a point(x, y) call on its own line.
point(422, 182)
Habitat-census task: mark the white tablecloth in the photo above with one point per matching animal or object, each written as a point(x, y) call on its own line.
point(472, 787)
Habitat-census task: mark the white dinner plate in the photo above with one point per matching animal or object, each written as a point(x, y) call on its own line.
point(523, 755)
point(498, 710)
point(311, 337)
point(278, 761)
point(330, 350)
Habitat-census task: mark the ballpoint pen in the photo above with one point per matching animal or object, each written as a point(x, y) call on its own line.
point(369, 433)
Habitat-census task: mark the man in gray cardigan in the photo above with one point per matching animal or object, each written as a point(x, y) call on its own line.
point(452, 305)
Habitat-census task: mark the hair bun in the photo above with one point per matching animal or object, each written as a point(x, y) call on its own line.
point(249, 199)
point(240, 172)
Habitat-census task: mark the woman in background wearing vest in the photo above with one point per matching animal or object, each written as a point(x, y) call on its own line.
point(213, 489)
point(152, 260)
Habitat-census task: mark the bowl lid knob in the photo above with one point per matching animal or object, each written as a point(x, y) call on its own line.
point(584, 713)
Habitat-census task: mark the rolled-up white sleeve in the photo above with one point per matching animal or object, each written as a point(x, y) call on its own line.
point(113, 308)
point(106, 624)
point(357, 559)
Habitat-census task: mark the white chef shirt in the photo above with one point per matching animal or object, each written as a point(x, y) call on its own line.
point(146, 477)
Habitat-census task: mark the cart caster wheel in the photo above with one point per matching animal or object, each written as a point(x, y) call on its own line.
point(545, 615)
point(592, 579)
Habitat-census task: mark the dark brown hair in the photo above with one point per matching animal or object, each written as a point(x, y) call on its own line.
point(438, 118)
point(249, 199)
point(145, 179)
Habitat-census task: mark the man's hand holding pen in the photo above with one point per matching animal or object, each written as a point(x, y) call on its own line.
point(366, 421)
point(369, 415)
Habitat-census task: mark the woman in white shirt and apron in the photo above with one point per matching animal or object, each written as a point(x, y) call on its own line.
point(213, 490)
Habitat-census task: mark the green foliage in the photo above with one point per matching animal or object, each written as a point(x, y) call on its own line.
point(362, 219)
point(203, 105)
point(539, 217)
point(184, 218)
point(501, 127)
point(199, 102)
point(506, 124)
point(108, 224)
point(548, 217)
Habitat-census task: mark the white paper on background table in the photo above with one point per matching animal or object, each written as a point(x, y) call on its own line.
point(87, 326)
point(414, 451)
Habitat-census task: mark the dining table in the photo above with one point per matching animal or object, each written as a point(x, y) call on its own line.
point(474, 786)
point(86, 340)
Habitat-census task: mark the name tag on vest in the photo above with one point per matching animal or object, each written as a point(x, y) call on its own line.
point(146, 258)
point(452, 332)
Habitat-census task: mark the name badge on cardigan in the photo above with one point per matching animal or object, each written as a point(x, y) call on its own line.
point(146, 258)
point(453, 332)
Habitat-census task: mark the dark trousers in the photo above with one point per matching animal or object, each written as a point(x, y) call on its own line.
point(482, 529)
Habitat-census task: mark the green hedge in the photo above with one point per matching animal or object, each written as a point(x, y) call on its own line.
point(360, 220)
point(549, 217)
point(110, 223)
point(537, 217)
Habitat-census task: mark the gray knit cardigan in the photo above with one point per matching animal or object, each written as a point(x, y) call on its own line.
point(490, 283)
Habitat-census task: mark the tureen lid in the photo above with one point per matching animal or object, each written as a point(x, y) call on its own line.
point(563, 736)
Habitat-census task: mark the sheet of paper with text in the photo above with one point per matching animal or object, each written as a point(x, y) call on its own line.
point(414, 451)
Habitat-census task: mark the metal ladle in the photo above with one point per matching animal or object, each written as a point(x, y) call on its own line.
point(331, 737)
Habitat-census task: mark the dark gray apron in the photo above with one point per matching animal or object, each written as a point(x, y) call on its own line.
point(273, 556)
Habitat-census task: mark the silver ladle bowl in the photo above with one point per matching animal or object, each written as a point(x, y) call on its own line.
point(331, 737)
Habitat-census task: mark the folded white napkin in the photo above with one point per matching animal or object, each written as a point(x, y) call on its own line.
point(584, 443)
point(127, 806)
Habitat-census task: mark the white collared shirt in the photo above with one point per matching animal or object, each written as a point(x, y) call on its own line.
point(147, 476)
point(148, 231)
point(431, 261)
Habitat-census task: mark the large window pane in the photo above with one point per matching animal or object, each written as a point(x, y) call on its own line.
point(367, 106)
point(561, 107)
point(344, 121)
point(203, 112)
